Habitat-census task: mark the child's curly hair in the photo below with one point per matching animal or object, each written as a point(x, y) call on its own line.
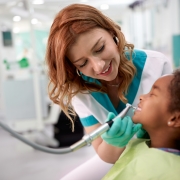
point(174, 89)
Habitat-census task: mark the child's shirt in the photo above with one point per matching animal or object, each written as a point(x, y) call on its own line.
point(139, 162)
point(174, 151)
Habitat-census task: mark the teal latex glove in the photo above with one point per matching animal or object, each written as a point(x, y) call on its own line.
point(121, 131)
point(142, 134)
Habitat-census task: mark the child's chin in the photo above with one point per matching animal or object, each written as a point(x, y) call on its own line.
point(135, 119)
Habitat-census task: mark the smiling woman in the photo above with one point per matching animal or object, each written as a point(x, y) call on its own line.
point(99, 58)
point(93, 70)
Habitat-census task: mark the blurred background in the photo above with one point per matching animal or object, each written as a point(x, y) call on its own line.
point(24, 102)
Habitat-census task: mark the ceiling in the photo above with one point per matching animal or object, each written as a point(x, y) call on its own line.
point(46, 12)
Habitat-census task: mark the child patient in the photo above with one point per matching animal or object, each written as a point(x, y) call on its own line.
point(157, 158)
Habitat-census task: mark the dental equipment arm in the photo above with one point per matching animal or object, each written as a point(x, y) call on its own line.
point(86, 140)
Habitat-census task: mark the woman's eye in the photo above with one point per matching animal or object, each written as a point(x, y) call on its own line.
point(83, 64)
point(101, 49)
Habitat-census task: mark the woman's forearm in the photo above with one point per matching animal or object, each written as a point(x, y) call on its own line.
point(106, 152)
point(109, 153)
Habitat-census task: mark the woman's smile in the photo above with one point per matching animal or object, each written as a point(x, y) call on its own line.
point(99, 58)
point(108, 70)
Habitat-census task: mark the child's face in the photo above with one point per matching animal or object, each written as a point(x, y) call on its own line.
point(152, 109)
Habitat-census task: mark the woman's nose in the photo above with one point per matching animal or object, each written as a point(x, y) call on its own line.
point(98, 65)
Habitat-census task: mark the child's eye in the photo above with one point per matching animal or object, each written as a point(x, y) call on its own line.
point(83, 64)
point(101, 49)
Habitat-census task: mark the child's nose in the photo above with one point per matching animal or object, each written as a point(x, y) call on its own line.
point(141, 97)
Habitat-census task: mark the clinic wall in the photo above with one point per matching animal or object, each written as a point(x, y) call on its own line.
point(153, 25)
point(166, 25)
point(166, 22)
point(6, 52)
point(13, 53)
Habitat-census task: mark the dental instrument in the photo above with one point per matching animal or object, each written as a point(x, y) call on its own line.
point(86, 140)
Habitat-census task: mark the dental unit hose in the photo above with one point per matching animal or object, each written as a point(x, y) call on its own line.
point(86, 140)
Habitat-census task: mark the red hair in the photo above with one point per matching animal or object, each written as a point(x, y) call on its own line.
point(68, 24)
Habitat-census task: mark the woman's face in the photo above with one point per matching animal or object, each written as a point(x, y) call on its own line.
point(152, 109)
point(96, 54)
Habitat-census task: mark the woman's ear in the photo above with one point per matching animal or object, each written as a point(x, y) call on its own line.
point(115, 40)
point(174, 120)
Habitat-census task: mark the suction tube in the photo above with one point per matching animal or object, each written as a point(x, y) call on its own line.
point(86, 140)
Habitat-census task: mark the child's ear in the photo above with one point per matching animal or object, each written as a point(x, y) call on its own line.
point(174, 120)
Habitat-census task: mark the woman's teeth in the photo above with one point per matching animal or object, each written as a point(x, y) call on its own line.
point(106, 69)
point(138, 109)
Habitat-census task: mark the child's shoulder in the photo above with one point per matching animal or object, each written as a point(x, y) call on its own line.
point(134, 145)
point(135, 142)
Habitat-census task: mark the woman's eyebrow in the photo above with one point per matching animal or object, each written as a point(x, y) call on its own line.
point(91, 50)
point(96, 43)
